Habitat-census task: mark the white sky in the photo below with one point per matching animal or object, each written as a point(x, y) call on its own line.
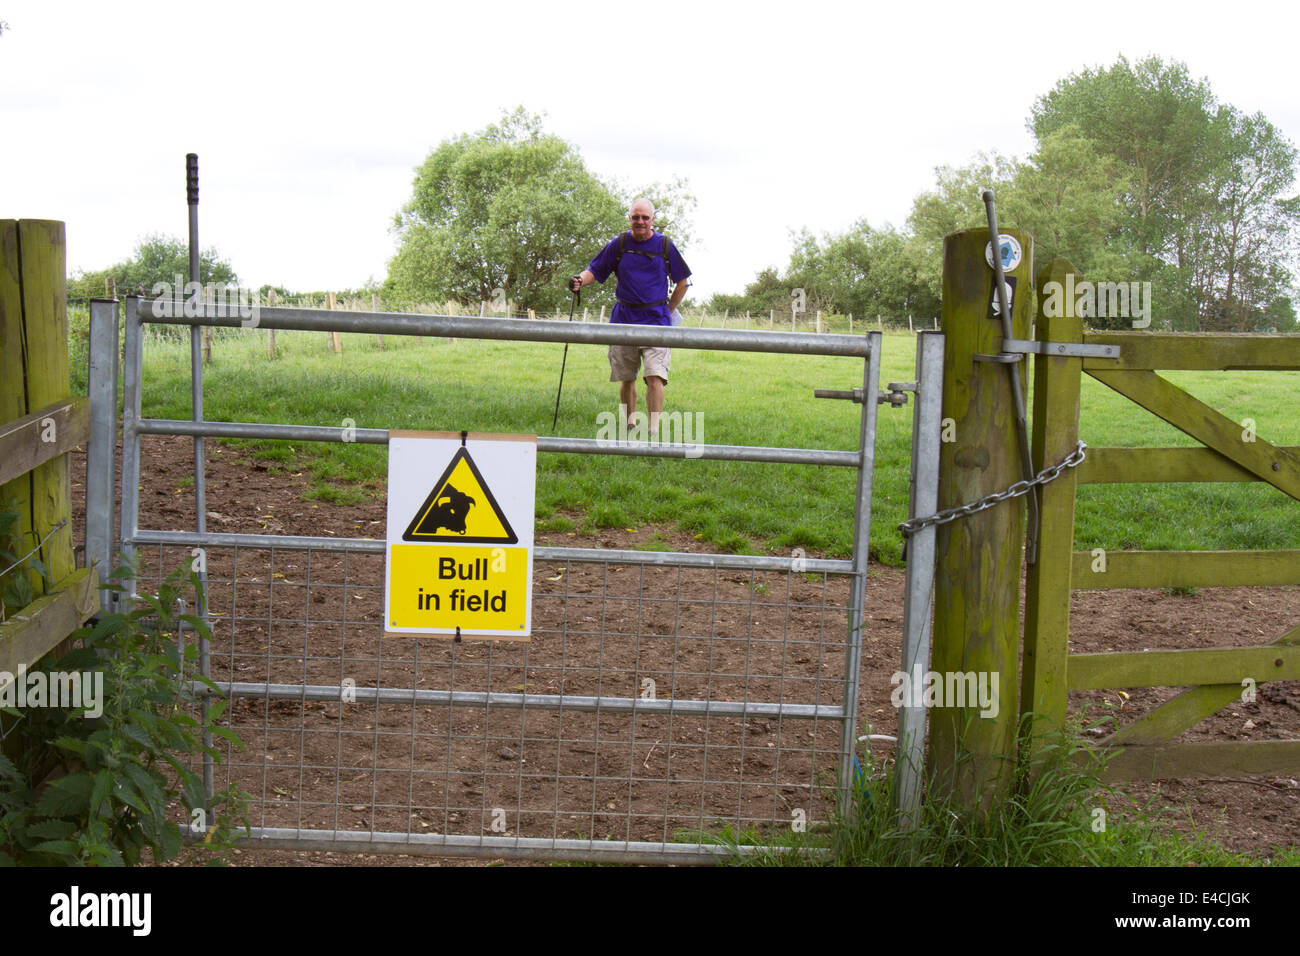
point(309, 119)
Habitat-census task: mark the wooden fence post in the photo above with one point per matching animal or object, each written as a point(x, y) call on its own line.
point(1048, 586)
point(335, 339)
point(33, 376)
point(206, 334)
point(271, 299)
point(978, 558)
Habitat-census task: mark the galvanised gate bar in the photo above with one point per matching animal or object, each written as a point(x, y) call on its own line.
point(665, 697)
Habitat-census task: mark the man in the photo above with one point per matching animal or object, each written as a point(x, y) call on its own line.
point(645, 262)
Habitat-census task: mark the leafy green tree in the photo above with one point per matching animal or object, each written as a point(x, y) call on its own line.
point(768, 291)
point(955, 204)
point(1206, 215)
point(157, 258)
point(507, 214)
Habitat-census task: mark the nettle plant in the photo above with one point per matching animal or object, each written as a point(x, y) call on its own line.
point(15, 582)
point(106, 791)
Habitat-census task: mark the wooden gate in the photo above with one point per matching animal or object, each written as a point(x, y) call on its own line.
point(1214, 677)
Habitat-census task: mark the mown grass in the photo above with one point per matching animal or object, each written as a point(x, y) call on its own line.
point(742, 398)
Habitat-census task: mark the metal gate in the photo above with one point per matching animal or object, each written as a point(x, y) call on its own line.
point(666, 700)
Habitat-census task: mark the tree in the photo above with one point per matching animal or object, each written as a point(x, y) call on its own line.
point(508, 213)
point(1206, 219)
point(863, 271)
point(157, 258)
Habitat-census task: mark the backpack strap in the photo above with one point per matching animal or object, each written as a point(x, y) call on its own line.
point(662, 254)
point(618, 256)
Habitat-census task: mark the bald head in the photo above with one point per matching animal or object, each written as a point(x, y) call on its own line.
point(642, 218)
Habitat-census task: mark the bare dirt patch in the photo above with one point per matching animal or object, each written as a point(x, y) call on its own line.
point(603, 630)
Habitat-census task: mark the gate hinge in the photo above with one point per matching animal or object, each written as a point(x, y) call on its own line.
point(849, 395)
point(894, 394)
point(1014, 350)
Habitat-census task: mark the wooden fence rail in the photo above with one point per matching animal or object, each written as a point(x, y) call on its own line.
point(1215, 677)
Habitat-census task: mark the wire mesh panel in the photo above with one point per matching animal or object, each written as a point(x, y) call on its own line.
point(596, 729)
point(665, 701)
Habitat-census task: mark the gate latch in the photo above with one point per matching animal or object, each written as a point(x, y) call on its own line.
point(894, 394)
point(1014, 350)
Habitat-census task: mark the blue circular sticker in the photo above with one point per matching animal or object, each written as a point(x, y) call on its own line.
point(1009, 251)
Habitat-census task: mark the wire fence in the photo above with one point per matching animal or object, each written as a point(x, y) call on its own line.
point(347, 731)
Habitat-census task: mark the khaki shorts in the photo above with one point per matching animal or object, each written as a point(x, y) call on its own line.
point(624, 360)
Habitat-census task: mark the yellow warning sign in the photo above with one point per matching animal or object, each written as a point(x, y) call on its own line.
point(460, 508)
point(460, 546)
point(480, 588)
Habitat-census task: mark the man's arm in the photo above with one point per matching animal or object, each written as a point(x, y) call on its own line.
point(583, 279)
point(679, 293)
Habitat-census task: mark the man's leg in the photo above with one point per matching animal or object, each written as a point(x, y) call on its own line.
point(657, 362)
point(627, 400)
point(654, 400)
point(624, 360)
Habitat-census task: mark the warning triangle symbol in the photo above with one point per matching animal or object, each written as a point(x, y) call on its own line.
point(461, 508)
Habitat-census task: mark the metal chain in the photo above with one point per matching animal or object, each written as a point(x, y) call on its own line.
point(1022, 487)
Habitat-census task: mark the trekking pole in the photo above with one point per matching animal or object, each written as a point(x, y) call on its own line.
point(577, 294)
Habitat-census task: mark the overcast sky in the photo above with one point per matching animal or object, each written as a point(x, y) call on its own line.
point(309, 119)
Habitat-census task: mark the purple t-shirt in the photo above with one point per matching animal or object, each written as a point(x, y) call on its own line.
point(641, 278)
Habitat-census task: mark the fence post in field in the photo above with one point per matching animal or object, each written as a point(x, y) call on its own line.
point(746, 320)
point(374, 307)
point(819, 320)
point(207, 330)
point(880, 323)
point(850, 323)
point(909, 323)
point(335, 339)
point(602, 314)
point(33, 377)
point(771, 320)
point(271, 299)
point(978, 557)
point(936, 323)
point(725, 314)
point(1047, 589)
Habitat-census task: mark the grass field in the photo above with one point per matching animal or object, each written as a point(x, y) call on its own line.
point(741, 398)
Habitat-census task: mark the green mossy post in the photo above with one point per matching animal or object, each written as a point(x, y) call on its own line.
point(1047, 588)
point(977, 581)
point(34, 376)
